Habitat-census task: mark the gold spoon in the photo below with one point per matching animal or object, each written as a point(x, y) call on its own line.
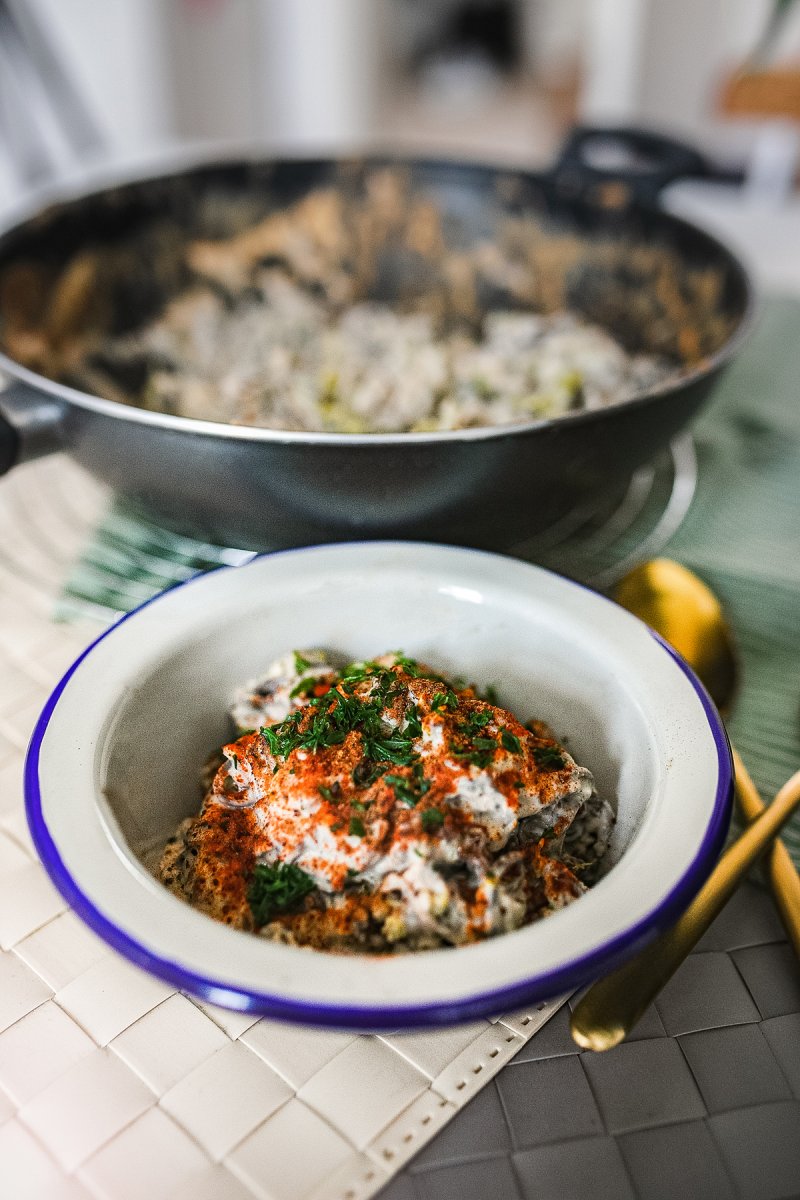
point(613, 1005)
point(687, 614)
point(666, 595)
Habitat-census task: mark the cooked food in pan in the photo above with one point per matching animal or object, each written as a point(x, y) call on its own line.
point(337, 314)
point(380, 807)
point(276, 357)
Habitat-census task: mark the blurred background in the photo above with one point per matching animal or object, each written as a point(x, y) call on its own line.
point(499, 80)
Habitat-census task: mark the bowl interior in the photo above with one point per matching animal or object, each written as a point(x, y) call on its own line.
point(164, 729)
point(119, 757)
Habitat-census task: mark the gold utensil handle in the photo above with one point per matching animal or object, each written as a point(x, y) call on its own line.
point(783, 876)
point(613, 1005)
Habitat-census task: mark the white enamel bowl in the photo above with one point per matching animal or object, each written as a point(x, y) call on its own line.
point(113, 767)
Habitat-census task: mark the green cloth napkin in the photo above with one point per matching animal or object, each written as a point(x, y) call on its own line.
point(741, 534)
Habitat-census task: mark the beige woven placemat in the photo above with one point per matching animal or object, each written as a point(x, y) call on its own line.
point(114, 1086)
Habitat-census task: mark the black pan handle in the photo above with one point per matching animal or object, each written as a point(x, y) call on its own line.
point(30, 425)
point(617, 164)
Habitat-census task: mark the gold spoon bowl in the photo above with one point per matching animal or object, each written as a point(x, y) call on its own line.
point(686, 613)
point(672, 600)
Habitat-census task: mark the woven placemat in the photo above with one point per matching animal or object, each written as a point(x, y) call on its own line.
point(113, 1084)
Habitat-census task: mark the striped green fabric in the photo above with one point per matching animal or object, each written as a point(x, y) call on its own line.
point(742, 535)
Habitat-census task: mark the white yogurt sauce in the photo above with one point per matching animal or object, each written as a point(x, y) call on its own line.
point(488, 806)
point(268, 698)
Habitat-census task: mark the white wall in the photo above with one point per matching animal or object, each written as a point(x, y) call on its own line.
point(215, 68)
point(320, 79)
point(116, 50)
point(662, 62)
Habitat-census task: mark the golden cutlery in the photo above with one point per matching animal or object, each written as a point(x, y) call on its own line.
point(673, 601)
point(612, 1006)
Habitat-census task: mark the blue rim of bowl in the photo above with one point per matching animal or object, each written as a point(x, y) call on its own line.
point(373, 1018)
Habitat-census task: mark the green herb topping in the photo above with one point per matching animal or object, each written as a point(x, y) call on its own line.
point(332, 794)
point(326, 720)
point(475, 721)
point(548, 756)
point(480, 752)
point(305, 687)
point(366, 773)
point(409, 665)
point(356, 828)
point(275, 889)
point(432, 819)
point(510, 742)
point(409, 790)
point(480, 749)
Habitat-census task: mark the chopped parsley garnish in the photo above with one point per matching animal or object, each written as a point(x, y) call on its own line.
point(356, 672)
point(432, 819)
point(395, 750)
point(409, 791)
point(305, 687)
point(402, 788)
point(356, 828)
point(490, 694)
point(510, 742)
point(326, 720)
point(443, 700)
point(332, 794)
point(271, 738)
point(548, 756)
point(366, 773)
point(474, 722)
point(409, 665)
point(276, 889)
point(481, 746)
point(413, 725)
point(301, 665)
point(480, 749)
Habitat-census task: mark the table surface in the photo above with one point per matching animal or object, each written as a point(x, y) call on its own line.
point(704, 1099)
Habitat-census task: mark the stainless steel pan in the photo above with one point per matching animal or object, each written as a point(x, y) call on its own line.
point(656, 281)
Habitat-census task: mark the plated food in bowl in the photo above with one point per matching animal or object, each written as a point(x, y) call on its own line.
point(380, 807)
point(112, 770)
